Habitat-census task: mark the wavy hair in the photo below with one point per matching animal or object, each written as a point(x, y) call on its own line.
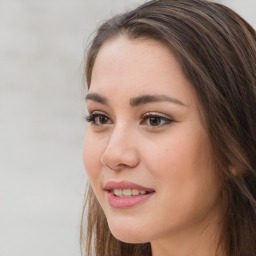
point(216, 49)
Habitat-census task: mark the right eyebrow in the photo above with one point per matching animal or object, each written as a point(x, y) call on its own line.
point(98, 98)
point(144, 99)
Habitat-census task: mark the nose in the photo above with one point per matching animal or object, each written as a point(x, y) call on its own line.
point(121, 151)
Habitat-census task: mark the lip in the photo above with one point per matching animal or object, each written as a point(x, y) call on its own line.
point(126, 202)
point(125, 185)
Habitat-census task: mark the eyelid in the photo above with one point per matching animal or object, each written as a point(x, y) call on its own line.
point(93, 115)
point(156, 114)
point(97, 112)
point(145, 118)
point(167, 119)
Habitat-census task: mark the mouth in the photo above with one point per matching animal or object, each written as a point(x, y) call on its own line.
point(129, 192)
point(125, 194)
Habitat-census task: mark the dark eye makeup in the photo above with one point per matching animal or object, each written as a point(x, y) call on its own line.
point(98, 119)
point(153, 120)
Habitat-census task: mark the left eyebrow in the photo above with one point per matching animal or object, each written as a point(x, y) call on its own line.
point(145, 99)
point(98, 98)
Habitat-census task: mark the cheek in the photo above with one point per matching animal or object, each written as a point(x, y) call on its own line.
point(180, 162)
point(172, 153)
point(92, 158)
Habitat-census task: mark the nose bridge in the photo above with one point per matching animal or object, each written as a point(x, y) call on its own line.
point(121, 132)
point(121, 149)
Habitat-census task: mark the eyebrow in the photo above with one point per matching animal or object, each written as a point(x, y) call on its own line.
point(98, 98)
point(144, 99)
point(137, 101)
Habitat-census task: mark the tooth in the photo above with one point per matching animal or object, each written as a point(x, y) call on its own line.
point(118, 192)
point(135, 192)
point(127, 192)
point(142, 192)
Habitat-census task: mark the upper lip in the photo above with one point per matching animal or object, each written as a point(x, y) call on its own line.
point(111, 185)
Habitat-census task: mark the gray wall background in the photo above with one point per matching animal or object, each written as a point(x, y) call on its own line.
point(42, 178)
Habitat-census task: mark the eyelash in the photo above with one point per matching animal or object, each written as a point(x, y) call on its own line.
point(92, 118)
point(146, 117)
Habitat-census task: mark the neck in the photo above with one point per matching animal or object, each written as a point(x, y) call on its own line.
point(199, 240)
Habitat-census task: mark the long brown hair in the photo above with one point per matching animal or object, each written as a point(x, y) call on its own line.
point(217, 51)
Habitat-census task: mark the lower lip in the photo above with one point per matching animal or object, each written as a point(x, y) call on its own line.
point(126, 202)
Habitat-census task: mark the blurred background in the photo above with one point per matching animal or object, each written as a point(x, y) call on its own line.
point(42, 178)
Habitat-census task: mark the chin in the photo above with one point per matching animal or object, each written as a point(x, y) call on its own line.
point(127, 233)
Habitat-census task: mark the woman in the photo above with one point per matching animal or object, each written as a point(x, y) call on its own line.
point(170, 148)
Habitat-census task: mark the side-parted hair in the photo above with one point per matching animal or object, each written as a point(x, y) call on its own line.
point(216, 49)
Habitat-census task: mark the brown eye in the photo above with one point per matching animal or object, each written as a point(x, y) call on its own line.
point(101, 119)
point(155, 120)
point(98, 119)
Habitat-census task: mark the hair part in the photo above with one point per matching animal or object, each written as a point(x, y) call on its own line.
point(216, 49)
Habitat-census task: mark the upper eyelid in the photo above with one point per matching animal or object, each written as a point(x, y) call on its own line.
point(92, 118)
point(154, 114)
point(164, 118)
point(142, 116)
point(158, 114)
point(95, 112)
point(98, 113)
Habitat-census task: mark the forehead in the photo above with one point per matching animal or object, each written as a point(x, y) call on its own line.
point(130, 67)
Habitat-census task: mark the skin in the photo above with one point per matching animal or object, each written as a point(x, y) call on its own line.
point(172, 157)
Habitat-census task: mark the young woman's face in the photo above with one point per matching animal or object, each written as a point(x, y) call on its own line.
point(146, 152)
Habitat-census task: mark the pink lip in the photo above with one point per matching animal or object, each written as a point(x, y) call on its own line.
point(124, 185)
point(125, 202)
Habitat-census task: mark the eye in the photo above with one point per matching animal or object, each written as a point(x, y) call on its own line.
point(98, 119)
point(155, 120)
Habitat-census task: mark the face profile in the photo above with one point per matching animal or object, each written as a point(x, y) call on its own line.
point(150, 137)
point(170, 144)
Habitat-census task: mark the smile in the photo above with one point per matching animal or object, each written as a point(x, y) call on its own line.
point(128, 192)
point(125, 194)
